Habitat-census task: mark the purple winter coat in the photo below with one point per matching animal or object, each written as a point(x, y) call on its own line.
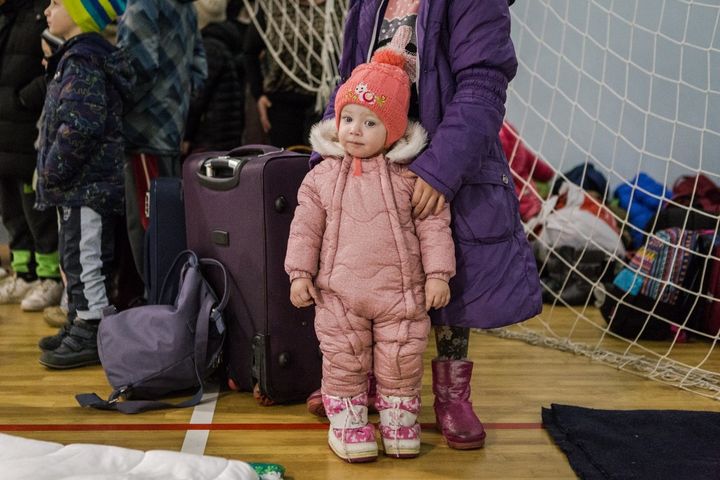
point(466, 59)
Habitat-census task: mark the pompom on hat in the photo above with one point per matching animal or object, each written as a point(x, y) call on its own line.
point(94, 15)
point(382, 85)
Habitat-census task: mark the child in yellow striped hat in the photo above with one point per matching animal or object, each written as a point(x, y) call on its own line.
point(80, 166)
point(67, 18)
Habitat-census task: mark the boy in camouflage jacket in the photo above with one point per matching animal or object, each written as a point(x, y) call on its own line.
point(79, 167)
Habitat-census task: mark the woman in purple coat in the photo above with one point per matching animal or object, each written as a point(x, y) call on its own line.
point(465, 59)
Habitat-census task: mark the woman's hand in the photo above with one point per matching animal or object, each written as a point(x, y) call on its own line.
point(437, 293)
point(426, 199)
point(263, 104)
point(303, 292)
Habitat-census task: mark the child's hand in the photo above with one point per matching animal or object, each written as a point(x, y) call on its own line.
point(47, 52)
point(437, 293)
point(303, 292)
point(263, 105)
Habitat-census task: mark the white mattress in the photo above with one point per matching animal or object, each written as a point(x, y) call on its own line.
point(21, 458)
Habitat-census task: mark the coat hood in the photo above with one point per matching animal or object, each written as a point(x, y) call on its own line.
point(324, 140)
point(114, 62)
point(226, 32)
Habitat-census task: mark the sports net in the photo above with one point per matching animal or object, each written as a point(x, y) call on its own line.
point(627, 91)
point(304, 37)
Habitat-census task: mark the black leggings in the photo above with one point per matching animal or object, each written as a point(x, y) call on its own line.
point(452, 342)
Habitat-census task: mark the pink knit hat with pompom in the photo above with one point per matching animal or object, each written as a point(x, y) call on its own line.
point(381, 86)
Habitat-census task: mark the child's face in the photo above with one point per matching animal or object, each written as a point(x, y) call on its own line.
point(59, 21)
point(361, 133)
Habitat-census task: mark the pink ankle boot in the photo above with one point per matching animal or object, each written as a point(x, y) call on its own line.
point(315, 406)
point(454, 414)
point(351, 437)
point(398, 425)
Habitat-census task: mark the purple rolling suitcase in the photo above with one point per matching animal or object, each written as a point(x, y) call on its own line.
point(238, 208)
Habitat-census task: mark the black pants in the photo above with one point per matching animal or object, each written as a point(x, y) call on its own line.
point(30, 230)
point(87, 250)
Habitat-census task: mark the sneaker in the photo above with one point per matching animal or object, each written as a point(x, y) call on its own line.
point(55, 317)
point(350, 436)
point(399, 428)
point(52, 342)
point(77, 349)
point(46, 293)
point(13, 289)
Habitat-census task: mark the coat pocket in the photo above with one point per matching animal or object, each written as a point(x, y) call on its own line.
point(484, 208)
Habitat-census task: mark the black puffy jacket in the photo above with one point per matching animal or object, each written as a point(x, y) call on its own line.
point(22, 85)
point(216, 119)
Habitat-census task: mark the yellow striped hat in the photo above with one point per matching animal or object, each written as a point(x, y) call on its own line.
point(94, 15)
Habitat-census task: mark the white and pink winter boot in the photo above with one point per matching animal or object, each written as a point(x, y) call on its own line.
point(351, 437)
point(399, 428)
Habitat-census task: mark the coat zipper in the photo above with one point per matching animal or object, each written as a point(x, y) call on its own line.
point(374, 31)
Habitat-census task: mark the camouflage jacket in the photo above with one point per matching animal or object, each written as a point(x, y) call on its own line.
point(80, 158)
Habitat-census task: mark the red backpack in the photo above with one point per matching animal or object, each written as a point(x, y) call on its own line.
point(707, 194)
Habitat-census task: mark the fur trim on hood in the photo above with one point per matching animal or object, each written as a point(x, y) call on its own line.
point(324, 140)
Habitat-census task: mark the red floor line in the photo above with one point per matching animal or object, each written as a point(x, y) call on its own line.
point(98, 427)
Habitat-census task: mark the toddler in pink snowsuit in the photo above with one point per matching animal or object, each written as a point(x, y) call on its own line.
point(370, 268)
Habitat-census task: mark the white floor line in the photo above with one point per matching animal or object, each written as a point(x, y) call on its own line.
point(196, 440)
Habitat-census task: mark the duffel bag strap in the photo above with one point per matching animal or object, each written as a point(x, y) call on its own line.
point(136, 406)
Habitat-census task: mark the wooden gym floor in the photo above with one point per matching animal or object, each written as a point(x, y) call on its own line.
point(511, 382)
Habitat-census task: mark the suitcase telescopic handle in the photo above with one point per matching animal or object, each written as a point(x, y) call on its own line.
point(220, 173)
point(254, 150)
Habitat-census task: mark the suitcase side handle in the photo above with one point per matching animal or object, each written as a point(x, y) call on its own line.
point(220, 173)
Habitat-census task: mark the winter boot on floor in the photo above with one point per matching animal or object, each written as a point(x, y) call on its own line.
point(77, 349)
point(399, 428)
point(51, 342)
point(315, 406)
point(454, 415)
point(351, 437)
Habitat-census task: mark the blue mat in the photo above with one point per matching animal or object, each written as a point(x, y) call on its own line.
point(637, 444)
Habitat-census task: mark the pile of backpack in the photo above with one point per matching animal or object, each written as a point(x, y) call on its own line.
point(670, 287)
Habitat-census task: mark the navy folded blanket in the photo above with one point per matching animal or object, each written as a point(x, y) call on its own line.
point(637, 444)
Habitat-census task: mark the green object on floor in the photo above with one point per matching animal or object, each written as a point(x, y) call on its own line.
point(268, 471)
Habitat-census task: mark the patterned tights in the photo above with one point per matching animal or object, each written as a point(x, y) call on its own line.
point(452, 342)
